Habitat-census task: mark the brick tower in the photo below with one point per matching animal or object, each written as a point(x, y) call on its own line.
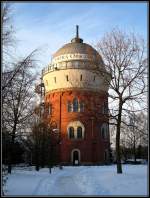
point(76, 92)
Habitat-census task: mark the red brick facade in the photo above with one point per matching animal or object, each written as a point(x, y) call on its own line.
point(93, 146)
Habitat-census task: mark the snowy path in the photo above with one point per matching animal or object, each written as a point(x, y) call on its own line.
point(64, 189)
point(65, 184)
point(83, 180)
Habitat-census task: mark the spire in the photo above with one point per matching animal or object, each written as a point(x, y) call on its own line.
point(77, 39)
point(77, 31)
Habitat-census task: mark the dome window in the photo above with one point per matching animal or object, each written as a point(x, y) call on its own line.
point(67, 78)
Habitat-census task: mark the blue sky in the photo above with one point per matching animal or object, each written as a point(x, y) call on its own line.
point(51, 25)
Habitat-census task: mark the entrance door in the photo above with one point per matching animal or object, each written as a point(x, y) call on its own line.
point(75, 158)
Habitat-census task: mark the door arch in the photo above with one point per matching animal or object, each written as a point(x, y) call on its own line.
point(75, 156)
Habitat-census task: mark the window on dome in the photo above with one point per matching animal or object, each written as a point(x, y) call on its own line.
point(75, 105)
point(55, 79)
point(81, 77)
point(79, 132)
point(67, 78)
point(71, 132)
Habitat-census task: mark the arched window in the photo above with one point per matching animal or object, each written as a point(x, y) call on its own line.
point(69, 105)
point(76, 130)
point(81, 106)
point(71, 132)
point(75, 105)
point(79, 132)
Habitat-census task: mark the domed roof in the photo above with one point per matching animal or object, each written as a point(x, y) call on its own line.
point(78, 47)
point(74, 47)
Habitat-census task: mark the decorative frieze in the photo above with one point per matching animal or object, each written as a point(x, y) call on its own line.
point(76, 56)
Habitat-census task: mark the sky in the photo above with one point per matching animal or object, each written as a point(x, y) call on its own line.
point(50, 25)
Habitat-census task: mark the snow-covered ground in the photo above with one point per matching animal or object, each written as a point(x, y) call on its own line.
point(81, 180)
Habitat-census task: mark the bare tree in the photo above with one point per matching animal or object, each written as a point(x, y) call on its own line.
point(44, 137)
point(18, 106)
point(9, 76)
point(135, 132)
point(125, 59)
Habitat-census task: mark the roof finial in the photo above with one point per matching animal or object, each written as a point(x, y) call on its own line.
point(77, 31)
point(77, 39)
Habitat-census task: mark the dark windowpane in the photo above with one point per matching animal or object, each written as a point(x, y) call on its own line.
point(79, 132)
point(71, 132)
point(75, 105)
point(67, 78)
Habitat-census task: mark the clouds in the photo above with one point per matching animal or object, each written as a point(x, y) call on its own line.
point(51, 25)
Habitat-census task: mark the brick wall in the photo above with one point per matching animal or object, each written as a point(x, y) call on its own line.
point(93, 145)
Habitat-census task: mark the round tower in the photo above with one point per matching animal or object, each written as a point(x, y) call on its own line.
point(76, 91)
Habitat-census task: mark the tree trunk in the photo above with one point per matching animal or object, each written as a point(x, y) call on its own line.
point(134, 150)
point(118, 153)
point(11, 150)
point(9, 157)
point(9, 168)
point(37, 159)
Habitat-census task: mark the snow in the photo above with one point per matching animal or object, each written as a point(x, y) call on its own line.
point(79, 180)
